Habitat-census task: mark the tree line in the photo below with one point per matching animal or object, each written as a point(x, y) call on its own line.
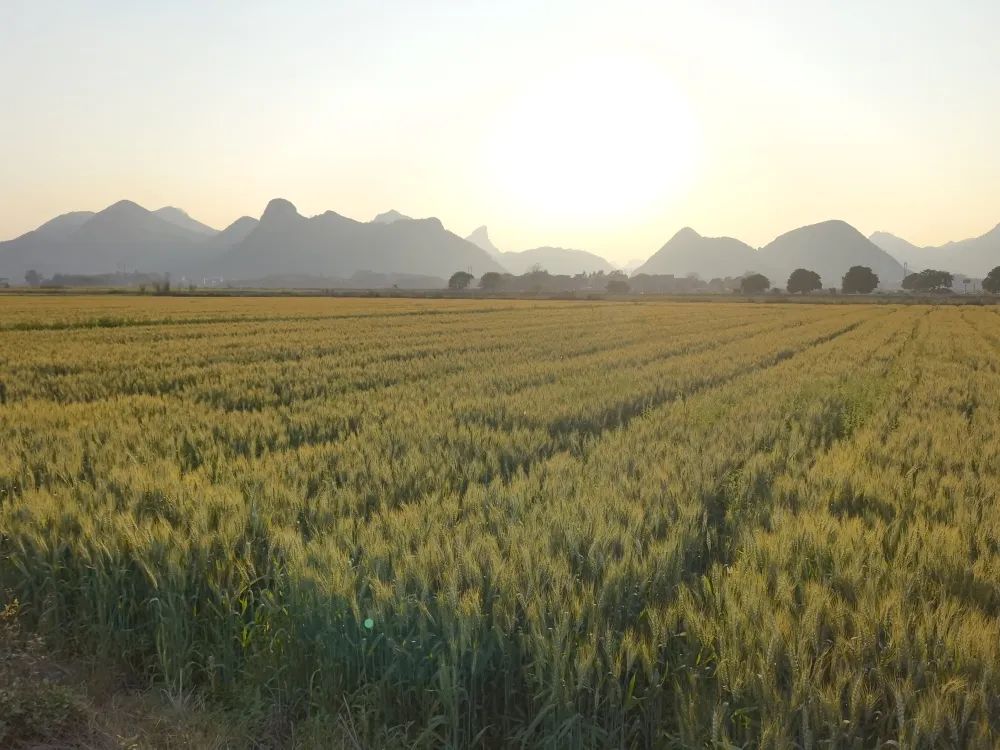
point(857, 280)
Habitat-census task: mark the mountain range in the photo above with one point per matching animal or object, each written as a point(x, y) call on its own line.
point(123, 235)
point(829, 248)
point(283, 243)
point(126, 236)
point(974, 257)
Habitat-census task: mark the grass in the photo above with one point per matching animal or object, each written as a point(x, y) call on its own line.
point(420, 523)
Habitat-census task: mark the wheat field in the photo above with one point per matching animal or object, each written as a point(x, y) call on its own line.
point(466, 523)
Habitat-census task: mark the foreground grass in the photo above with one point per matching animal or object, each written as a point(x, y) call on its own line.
point(53, 699)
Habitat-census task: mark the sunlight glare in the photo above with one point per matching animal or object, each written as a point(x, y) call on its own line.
point(605, 140)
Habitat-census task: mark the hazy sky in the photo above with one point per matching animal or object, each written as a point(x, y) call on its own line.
point(604, 126)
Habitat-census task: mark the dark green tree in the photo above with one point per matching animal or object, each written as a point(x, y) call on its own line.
point(460, 280)
point(992, 281)
point(617, 286)
point(928, 280)
point(33, 277)
point(803, 281)
point(755, 283)
point(859, 280)
point(491, 281)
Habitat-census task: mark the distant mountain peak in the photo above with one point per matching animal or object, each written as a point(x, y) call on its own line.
point(480, 237)
point(278, 208)
point(686, 233)
point(887, 235)
point(124, 206)
point(890, 242)
point(974, 256)
point(391, 216)
point(333, 246)
point(61, 226)
point(555, 260)
point(181, 218)
point(840, 223)
point(687, 252)
point(830, 248)
point(235, 233)
point(172, 211)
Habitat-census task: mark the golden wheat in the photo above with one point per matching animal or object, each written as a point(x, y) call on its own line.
point(554, 524)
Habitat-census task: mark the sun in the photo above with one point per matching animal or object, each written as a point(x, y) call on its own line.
point(607, 139)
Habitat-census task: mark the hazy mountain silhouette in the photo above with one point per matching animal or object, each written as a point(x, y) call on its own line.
point(126, 235)
point(897, 247)
point(232, 235)
point(62, 226)
point(122, 235)
point(632, 264)
point(830, 249)
point(390, 216)
point(973, 257)
point(180, 218)
point(687, 252)
point(480, 237)
point(281, 243)
point(285, 242)
point(555, 260)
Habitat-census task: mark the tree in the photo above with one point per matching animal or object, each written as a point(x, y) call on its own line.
point(162, 287)
point(491, 281)
point(859, 280)
point(941, 279)
point(928, 280)
point(755, 283)
point(992, 281)
point(617, 286)
point(460, 280)
point(803, 281)
point(33, 277)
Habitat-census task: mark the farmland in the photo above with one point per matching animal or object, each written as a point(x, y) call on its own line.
point(513, 523)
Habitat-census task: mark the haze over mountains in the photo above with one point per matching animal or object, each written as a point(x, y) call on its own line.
point(829, 248)
point(122, 235)
point(283, 243)
point(687, 252)
point(974, 257)
point(555, 260)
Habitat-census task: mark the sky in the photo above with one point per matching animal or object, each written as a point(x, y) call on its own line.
point(595, 125)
